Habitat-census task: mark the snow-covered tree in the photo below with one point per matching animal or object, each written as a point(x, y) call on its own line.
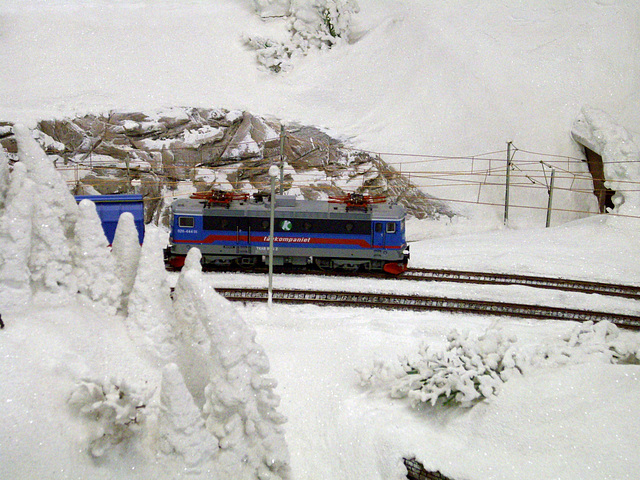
point(126, 252)
point(4, 177)
point(192, 339)
point(150, 310)
point(53, 220)
point(15, 239)
point(240, 405)
point(181, 426)
point(94, 267)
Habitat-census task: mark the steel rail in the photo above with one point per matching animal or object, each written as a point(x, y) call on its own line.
point(422, 303)
point(628, 291)
point(484, 278)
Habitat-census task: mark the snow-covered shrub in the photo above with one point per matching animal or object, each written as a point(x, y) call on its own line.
point(469, 370)
point(315, 24)
point(602, 341)
point(116, 411)
point(272, 8)
point(94, 266)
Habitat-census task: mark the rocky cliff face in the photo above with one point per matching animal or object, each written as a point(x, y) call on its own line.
point(160, 153)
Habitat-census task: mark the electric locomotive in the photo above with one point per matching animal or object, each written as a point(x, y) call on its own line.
point(350, 233)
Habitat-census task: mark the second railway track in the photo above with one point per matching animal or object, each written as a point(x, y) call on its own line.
point(417, 302)
point(427, 274)
point(484, 278)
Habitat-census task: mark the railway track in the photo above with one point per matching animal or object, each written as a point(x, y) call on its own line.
point(422, 303)
point(463, 276)
point(426, 274)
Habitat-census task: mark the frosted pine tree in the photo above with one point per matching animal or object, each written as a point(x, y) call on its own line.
point(54, 216)
point(240, 406)
point(192, 339)
point(4, 177)
point(15, 239)
point(181, 426)
point(126, 252)
point(150, 309)
point(94, 267)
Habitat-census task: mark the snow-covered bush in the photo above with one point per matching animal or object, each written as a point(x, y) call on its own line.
point(470, 370)
point(116, 411)
point(602, 341)
point(311, 24)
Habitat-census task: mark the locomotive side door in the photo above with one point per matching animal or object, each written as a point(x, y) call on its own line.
point(378, 235)
point(243, 235)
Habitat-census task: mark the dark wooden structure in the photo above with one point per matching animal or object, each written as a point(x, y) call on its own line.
point(596, 168)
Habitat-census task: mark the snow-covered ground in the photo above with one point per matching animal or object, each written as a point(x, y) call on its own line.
point(421, 77)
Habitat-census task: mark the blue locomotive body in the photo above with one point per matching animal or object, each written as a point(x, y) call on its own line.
point(110, 207)
point(332, 235)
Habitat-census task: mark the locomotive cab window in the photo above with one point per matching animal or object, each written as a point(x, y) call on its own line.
point(186, 222)
point(391, 227)
point(378, 228)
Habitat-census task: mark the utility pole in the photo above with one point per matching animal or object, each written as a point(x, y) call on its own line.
point(506, 193)
point(273, 173)
point(281, 159)
point(553, 173)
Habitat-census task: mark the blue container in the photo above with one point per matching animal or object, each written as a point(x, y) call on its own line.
point(110, 207)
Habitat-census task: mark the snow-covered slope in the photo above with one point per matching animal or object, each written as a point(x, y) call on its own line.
point(421, 76)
